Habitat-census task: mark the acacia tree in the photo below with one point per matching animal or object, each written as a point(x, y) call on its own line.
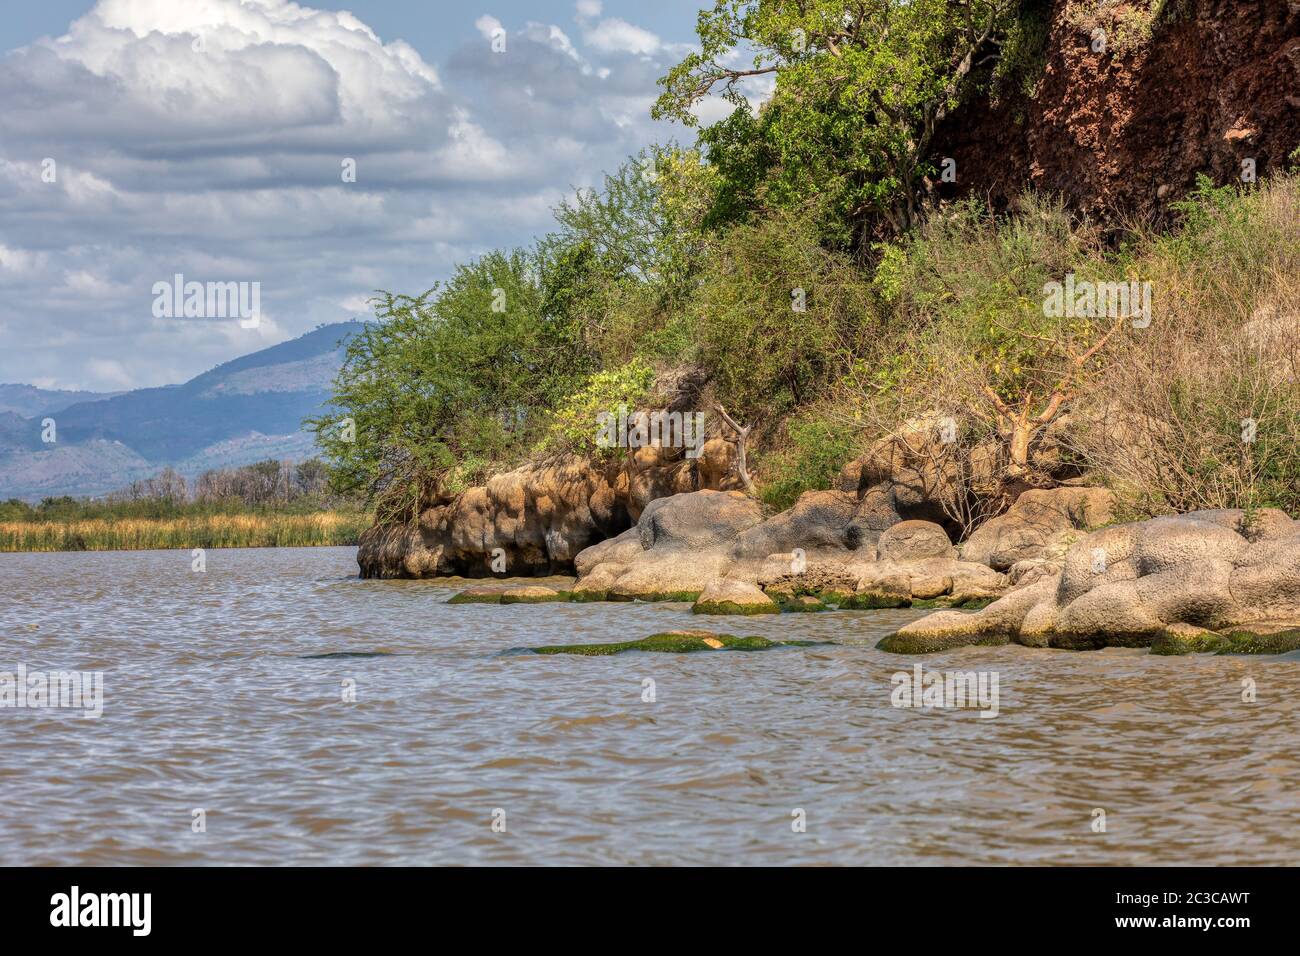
point(456, 383)
point(860, 87)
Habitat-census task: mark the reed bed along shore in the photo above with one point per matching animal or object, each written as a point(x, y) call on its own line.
point(187, 531)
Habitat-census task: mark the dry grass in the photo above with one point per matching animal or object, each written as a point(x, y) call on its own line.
point(1202, 410)
point(199, 531)
point(1198, 409)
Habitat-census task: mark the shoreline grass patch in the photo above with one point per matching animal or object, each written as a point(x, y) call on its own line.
point(320, 529)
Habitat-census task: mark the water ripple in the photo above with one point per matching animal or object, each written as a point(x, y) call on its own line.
point(227, 693)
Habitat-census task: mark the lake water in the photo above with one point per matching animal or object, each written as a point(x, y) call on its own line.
point(212, 702)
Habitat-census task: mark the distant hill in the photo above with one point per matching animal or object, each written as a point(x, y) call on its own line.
point(242, 411)
point(28, 401)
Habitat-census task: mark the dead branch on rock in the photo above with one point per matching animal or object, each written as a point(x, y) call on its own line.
point(742, 436)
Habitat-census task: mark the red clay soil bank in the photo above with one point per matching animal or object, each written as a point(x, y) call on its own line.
point(1218, 82)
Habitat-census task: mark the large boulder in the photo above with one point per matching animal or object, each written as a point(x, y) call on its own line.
point(678, 546)
point(914, 473)
point(1038, 519)
point(1223, 572)
point(821, 524)
point(693, 522)
point(536, 519)
point(686, 544)
point(915, 541)
point(903, 476)
point(533, 520)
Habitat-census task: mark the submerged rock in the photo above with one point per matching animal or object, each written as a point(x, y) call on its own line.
point(803, 603)
point(477, 595)
point(524, 594)
point(674, 642)
point(1262, 638)
point(1186, 582)
point(532, 594)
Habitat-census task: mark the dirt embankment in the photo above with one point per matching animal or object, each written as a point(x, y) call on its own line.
point(1124, 131)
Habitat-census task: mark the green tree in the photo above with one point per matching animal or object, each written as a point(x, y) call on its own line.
point(451, 385)
point(448, 384)
point(861, 86)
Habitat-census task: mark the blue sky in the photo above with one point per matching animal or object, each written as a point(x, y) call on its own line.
point(205, 137)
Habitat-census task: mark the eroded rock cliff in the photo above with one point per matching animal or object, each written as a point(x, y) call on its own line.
point(1124, 130)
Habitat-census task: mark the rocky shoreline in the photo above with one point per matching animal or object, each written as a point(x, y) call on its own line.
point(1053, 571)
point(1223, 581)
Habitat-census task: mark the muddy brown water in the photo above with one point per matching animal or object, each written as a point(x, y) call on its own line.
point(223, 691)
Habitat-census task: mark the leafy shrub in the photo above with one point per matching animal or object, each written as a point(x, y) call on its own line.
point(778, 315)
point(575, 422)
point(448, 384)
point(809, 459)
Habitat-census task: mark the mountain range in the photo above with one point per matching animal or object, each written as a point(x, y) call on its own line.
point(244, 410)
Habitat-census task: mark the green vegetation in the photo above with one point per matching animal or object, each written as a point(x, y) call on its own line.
point(1126, 28)
point(802, 604)
point(809, 457)
point(518, 594)
point(1241, 641)
point(860, 89)
point(674, 642)
point(624, 388)
point(798, 258)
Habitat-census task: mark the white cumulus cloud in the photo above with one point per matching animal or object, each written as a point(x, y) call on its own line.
point(212, 138)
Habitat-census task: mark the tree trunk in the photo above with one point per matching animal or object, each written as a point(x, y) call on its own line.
point(1022, 432)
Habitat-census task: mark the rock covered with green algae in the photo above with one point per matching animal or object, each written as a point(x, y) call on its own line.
point(674, 642)
point(1262, 638)
point(899, 643)
point(803, 604)
point(729, 596)
point(477, 595)
point(532, 594)
point(526, 594)
point(1220, 581)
